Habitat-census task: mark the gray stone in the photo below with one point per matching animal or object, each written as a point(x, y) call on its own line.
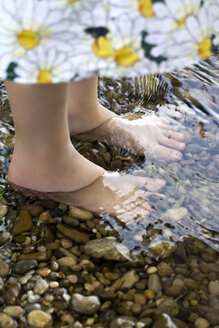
point(4, 268)
point(154, 283)
point(24, 266)
point(177, 213)
point(123, 321)
point(3, 210)
point(201, 323)
point(85, 304)
point(169, 306)
point(41, 286)
point(107, 248)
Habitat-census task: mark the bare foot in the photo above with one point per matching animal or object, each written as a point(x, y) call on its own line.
point(147, 135)
point(84, 184)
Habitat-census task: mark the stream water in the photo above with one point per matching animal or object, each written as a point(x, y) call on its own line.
point(184, 213)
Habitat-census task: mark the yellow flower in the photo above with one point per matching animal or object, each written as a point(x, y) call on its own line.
point(204, 48)
point(102, 47)
point(71, 1)
point(28, 39)
point(44, 76)
point(145, 7)
point(125, 56)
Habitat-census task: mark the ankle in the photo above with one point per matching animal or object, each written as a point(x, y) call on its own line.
point(86, 120)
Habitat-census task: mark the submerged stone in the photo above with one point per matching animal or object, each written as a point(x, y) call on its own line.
point(39, 319)
point(108, 248)
point(85, 304)
point(6, 321)
point(24, 266)
point(23, 223)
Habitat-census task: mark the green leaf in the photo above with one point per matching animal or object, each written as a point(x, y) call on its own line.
point(11, 75)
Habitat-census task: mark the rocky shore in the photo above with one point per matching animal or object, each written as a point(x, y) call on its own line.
point(61, 267)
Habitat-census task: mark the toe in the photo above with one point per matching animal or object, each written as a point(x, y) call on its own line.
point(172, 143)
point(166, 154)
point(174, 135)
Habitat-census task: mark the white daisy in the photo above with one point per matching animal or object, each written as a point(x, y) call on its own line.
point(41, 66)
point(27, 26)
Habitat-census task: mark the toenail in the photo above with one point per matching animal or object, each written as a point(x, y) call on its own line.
point(176, 154)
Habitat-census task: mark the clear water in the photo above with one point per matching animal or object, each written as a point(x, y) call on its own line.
point(188, 206)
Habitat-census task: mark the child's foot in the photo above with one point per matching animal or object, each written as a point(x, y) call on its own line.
point(147, 135)
point(76, 181)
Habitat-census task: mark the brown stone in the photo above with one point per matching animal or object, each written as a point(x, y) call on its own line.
point(23, 223)
point(73, 234)
point(12, 293)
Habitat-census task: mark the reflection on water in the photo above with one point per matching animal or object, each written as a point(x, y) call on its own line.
point(188, 206)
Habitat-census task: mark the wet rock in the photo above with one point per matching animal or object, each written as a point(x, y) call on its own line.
point(123, 321)
point(39, 319)
point(164, 269)
point(34, 210)
point(165, 321)
point(6, 321)
point(71, 221)
point(4, 237)
point(41, 286)
point(23, 223)
point(151, 270)
point(107, 248)
point(177, 213)
point(154, 283)
point(85, 304)
point(4, 268)
point(73, 234)
point(67, 260)
point(201, 323)
point(12, 293)
point(24, 266)
point(177, 288)
point(129, 279)
point(162, 249)
point(13, 311)
point(211, 314)
point(169, 306)
point(3, 210)
point(79, 214)
point(72, 278)
point(213, 288)
point(38, 256)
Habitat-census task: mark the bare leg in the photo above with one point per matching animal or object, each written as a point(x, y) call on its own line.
point(45, 160)
point(146, 136)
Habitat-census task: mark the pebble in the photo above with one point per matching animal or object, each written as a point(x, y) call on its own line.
point(4, 268)
point(41, 286)
point(129, 279)
point(67, 260)
point(72, 278)
point(177, 213)
point(79, 213)
point(39, 319)
point(73, 234)
point(162, 249)
point(136, 308)
point(38, 256)
point(66, 243)
point(150, 294)
point(85, 304)
point(12, 293)
point(3, 210)
point(53, 284)
point(169, 306)
point(201, 323)
point(24, 266)
point(44, 272)
point(13, 311)
point(34, 210)
point(107, 248)
point(4, 237)
point(71, 221)
point(23, 223)
point(164, 269)
point(6, 321)
point(151, 270)
point(111, 276)
point(213, 288)
point(140, 299)
point(123, 321)
point(154, 283)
